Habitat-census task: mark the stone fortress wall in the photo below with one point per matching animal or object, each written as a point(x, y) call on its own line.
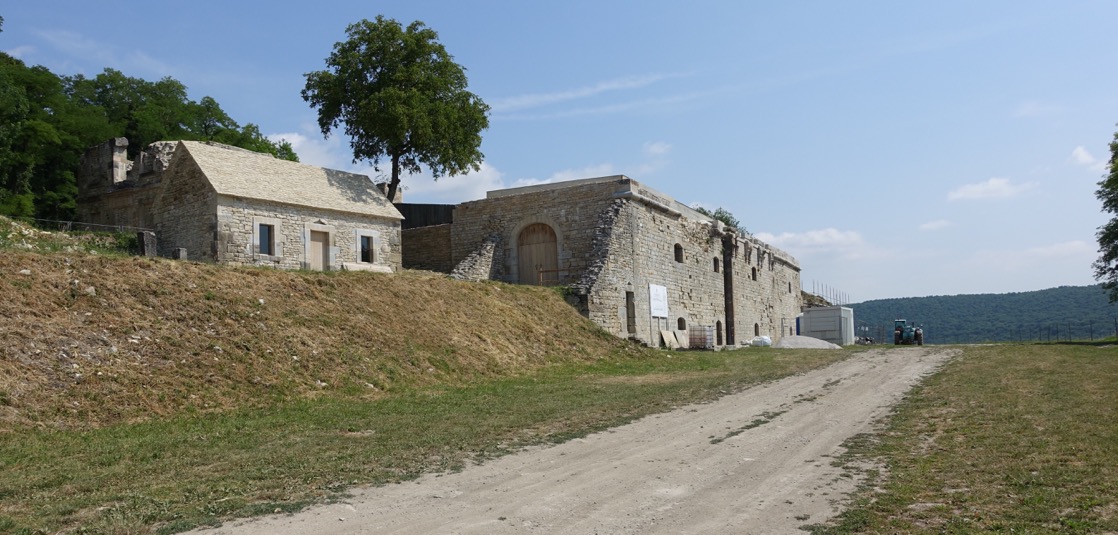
point(615, 239)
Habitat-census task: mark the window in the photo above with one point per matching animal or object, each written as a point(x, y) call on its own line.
point(365, 245)
point(681, 324)
point(679, 253)
point(789, 287)
point(631, 312)
point(754, 273)
point(267, 237)
point(716, 266)
point(367, 249)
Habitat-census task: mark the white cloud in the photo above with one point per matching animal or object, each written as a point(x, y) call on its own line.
point(590, 171)
point(828, 239)
point(20, 52)
point(331, 153)
point(521, 102)
point(1080, 156)
point(656, 103)
point(995, 188)
point(452, 189)
point(334, 153)
point(935, 225)
point(656, 148)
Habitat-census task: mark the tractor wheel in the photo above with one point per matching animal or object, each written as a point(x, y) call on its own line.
point(896, 339)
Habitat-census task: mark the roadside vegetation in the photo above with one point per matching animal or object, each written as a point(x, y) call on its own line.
point(141, 395)
point(1005, 439)
point(146, 395)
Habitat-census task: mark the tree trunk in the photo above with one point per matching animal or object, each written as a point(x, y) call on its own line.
point(394, 182)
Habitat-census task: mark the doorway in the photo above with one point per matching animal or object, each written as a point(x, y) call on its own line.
point(537, 255)
point(318, 255)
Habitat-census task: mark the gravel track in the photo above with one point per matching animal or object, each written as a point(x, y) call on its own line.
point(758, 461)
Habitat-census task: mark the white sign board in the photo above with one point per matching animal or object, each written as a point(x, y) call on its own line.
point(658, 300)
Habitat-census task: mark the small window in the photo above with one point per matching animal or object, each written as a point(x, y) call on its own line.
point(679, 253)
point(717, 268)
point(754, 273)
point(681, 324)
point(631, 312)
point(367, 249)
point(756, 329)
point(267, 234)
point(789, 287)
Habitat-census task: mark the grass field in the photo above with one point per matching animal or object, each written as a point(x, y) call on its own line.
point(1005, 439)
point(171, 475)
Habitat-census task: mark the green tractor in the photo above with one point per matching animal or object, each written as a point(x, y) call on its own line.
point(905, 333)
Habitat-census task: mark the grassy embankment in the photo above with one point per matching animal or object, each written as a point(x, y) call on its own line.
point(143, 395)
point(176, 394)
point(1005, 439)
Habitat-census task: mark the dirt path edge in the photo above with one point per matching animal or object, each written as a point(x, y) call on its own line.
point(758, 461)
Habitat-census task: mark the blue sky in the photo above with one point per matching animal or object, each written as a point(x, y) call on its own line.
point(895, 148)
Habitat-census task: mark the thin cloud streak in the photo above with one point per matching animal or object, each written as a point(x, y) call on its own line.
point(995, 188)
point(522, 102)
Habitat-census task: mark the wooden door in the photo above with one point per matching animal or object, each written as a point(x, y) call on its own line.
point(319, 252)
point(538, 255)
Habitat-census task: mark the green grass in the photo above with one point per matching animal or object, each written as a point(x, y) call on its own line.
point(1006, 439)
point(190, 471)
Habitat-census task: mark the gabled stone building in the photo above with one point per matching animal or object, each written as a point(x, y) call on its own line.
point(637, 262)
point(233, 206)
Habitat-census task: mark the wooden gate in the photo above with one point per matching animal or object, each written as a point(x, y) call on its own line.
point(537, 252)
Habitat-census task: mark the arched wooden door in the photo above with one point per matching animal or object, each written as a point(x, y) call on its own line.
point(537, 252)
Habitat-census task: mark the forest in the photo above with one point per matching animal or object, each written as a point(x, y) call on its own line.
point(48, 120)
point(1066, 313)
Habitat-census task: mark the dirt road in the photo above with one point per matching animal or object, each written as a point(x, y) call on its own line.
point(754, 462)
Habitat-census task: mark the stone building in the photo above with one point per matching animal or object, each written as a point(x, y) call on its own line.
point(636, 262)
point(233, 206)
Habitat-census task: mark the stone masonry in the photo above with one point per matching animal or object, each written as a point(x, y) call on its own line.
point(616, 239)
point(218, 203)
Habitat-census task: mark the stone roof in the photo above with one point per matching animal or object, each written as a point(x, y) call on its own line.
point(252, 175)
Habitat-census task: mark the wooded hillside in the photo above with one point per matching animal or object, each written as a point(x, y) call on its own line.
point(1064, 313)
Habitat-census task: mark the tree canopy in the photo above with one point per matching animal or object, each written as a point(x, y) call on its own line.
point(724, 215)
point(47, 122)
point(402, 98)
point(1106, 267)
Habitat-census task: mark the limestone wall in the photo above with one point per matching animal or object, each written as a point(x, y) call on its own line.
point(617, 238)
point(238, 220)
point(570, 211)
point(427, 248)
point(114, 192)
point(185, 213)
point(642, 252)
point(769, 304)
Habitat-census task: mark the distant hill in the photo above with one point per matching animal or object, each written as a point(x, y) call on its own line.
point(1064, 313)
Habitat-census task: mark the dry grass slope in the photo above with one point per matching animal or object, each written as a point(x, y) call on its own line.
point(90, 339)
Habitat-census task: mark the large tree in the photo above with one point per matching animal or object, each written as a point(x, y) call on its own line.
point(1106, 267)
point(401, 98)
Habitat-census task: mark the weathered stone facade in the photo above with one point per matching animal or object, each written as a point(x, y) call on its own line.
point(114, 192)
point(616, 242)
point(232, 206)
